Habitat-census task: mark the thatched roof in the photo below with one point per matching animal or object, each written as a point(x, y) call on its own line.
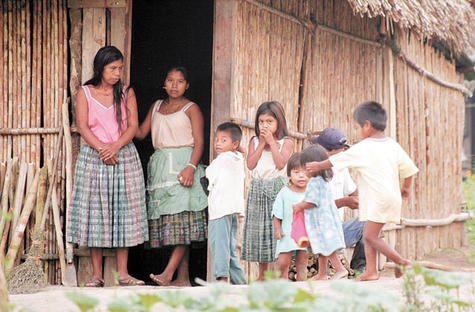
point(452, 21)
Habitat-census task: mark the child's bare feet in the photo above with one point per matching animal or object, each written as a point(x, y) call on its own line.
point(367, 277)
point(320, 277)
point(397, 269)
point(340, 275)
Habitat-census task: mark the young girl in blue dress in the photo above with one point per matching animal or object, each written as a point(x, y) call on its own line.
point(321, 216)
point(269, 151)
point(282, 211)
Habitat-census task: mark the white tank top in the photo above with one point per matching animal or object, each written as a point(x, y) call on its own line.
point(266, 168)
point(171, 130)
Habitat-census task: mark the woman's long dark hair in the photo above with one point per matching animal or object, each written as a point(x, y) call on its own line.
point(104, 56)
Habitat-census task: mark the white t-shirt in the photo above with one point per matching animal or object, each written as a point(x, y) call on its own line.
point(226, 185)
point(341, 186)
point(379, 164)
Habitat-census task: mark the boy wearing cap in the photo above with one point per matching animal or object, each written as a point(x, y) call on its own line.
point(345, 194)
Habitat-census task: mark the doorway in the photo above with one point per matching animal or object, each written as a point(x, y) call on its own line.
point(165, 34)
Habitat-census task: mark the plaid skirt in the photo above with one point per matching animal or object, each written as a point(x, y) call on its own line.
point(181, 228)
point(108, 202)
point(259, 243)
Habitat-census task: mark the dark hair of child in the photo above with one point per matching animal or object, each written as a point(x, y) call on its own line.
point(233, 129)
point(294, 162)
point(276, 110)
point(373, 112)
point(317, 153)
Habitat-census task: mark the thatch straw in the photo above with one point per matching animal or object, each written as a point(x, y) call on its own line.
point(451, 21)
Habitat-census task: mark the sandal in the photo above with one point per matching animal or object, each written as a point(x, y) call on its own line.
point(157, 279)
point(95, 282)
point(130, 281)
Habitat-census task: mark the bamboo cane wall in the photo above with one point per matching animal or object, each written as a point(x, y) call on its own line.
point(342, 71)
point(430, 127)
point(33, 64)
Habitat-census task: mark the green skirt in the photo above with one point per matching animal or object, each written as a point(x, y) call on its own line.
point(177, 214)
point(165, 194)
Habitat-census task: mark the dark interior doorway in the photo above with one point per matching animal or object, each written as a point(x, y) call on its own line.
point(165, 34)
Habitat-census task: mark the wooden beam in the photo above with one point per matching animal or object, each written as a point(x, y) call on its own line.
point(80, 4)
point(94, 25)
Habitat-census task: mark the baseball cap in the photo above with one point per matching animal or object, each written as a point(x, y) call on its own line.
point(330, 139)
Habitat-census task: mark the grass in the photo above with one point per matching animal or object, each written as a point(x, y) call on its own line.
point(469, 196)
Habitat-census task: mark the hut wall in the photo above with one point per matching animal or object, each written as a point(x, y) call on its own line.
point(430, 127)
point(320, 76)
point(33, 66)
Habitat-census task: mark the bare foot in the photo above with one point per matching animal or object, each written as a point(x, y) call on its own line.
point(160, 280)
point(178, 283)
point(367, 277)
point(397, 269)
point(319, 277)
point(340, 275)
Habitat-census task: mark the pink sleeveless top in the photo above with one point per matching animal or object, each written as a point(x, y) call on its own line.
point(102, 120)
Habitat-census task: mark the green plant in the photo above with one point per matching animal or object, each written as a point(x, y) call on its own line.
point(469, 197)
point(433, 290)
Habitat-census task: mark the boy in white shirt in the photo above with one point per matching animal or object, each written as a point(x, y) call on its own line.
point(380, 163)
point(225, 203)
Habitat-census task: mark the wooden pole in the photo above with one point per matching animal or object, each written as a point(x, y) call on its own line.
point(20, 229)
point(41, 196)
point(19, 193)
point(4, 198)
point(59, 235)
point(2, 103)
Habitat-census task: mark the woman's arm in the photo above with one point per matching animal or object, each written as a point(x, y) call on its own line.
point(197, 126)
point(82, 120)
point(144, 128)
point(110, 150)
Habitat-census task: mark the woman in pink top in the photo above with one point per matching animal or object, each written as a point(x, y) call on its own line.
point(108, 202)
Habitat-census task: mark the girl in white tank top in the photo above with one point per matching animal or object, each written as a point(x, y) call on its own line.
point(269, 152)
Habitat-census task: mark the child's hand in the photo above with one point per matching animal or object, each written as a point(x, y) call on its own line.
point(297, 208)
point(267, 136)
point(352, 202)
point(312, 167)
point(185, 177)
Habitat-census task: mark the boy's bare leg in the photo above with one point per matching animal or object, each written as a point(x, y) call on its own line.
point(263, 266)
point(223, 279)
point(322, 269)
point(340, 270)
point(374, 243)
point(283, 263)
point(301, 265)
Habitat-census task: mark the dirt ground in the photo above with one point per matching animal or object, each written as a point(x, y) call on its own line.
point(53, 298)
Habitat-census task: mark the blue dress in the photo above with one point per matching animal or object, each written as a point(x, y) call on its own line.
point(322, 221)
point(283, 210)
